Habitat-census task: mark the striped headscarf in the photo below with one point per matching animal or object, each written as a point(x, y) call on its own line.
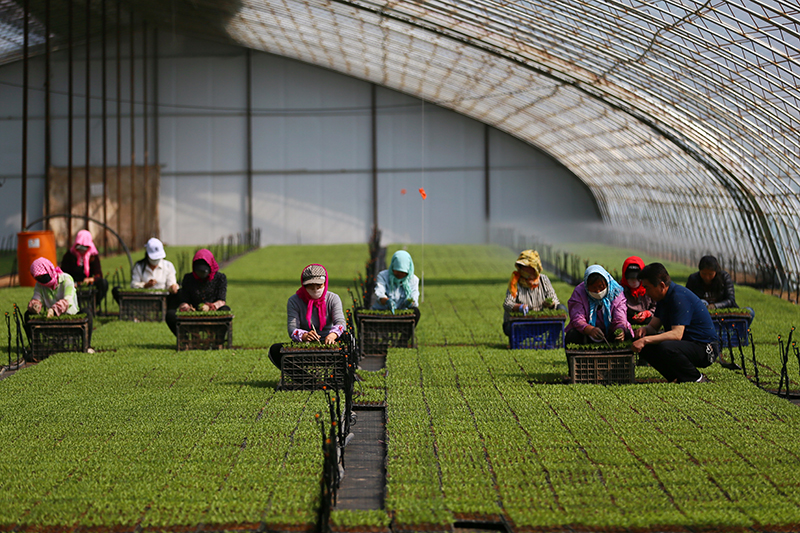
point(43, 266)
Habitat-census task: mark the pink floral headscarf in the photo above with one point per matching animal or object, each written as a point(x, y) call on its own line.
point(319, 303)
point(84, 238)
point(43, 266)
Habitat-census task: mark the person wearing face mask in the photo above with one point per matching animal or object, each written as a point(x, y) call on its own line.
point(82, 262)
point(203, 289)
point(640, 306)
point(154, 272)
point(597, 309)
point(528, 289)
point(714, 286)
point(313, 313)
point(398, 287)
point(54, 293)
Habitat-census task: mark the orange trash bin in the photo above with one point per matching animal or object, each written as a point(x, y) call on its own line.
point(32, 245)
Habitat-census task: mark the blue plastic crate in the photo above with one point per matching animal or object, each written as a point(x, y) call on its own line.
point(728, 326)
point(537, 334)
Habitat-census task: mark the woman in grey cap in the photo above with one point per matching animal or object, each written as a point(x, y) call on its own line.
point(313, 313)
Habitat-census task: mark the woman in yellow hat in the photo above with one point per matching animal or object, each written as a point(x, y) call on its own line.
point(528, 290)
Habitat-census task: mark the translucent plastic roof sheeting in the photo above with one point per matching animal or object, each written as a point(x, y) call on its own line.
point(682, 117)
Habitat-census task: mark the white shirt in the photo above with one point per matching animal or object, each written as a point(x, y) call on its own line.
point(164, 274)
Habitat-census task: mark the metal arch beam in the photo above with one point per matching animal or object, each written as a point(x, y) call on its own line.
point(88, 219)
point(745, 200)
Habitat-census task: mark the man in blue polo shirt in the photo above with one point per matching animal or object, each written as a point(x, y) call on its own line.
point(689, 340)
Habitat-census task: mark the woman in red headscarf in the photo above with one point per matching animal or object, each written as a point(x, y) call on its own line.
point(82, 262)
point(203, 289)
point(314, 314)
point(640, 306)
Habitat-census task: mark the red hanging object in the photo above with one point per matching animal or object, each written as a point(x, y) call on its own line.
point(423, 193)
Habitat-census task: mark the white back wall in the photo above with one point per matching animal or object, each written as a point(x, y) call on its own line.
point(312, 169)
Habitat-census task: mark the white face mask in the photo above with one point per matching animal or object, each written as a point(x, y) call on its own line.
point(598, 295)
point(315, 294)
point(153, 262)
point(634, 283)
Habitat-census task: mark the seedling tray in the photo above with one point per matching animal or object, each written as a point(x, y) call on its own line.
point(536, 334)
point(313, 369)
point(376, 333)
point(54, 336)
point(140, 306)
point(603, 367)
point(728, 326)
point(204, 332)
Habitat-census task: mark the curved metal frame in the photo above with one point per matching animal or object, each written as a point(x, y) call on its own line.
point(84, 217)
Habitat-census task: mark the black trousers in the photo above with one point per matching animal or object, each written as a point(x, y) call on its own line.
point(101, 289)
point(172, 318)
point(679, 360)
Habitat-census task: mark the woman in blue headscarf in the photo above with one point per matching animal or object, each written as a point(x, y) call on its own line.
point(597, 308)
point(398, 287)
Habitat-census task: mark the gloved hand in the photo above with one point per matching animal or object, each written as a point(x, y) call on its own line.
point(642, 316)
point(524, 310)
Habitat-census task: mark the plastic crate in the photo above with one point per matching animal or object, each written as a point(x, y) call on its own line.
point(54, 336)
point(313, 369)
point(376, 333)
point(728, 326)
point(602, 367)
point(204, 332)
point(86, 299)
point(537, 334)
point(142, 306)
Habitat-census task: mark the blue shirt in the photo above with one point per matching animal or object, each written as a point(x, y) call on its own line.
point(680, 307)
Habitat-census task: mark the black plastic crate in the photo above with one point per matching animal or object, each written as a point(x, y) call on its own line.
point(603, 367)
point(55, 336)
point(313, 369)
point(728, 326)
point(86, 299)
point(376, 333)
point(204, 332)
point(537, 333)
point(142, 306)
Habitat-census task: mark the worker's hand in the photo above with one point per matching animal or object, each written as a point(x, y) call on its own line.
point(185, 307)
point(641, 316)
point(173, 289)
point(711, 306)
point(640, 333)
point(595, 333)
point(51, 313)
point(524, 309)
point(638, 344)
point(88, 281)
point(206, 307)
point(331, 338)
point(150, 283)
point(619, 337)
point(384, 300)
point(310, 336)
point(35, 306)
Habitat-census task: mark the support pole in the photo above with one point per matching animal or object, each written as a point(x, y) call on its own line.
point(26, 15)
point(249, 90)
point(145, 146)
point(47, 124)
point(105, 134)
point(374, 147)
point(69, 121)
point(133, 132)
point(486, 181)
point(88, 140)
point(119, 118)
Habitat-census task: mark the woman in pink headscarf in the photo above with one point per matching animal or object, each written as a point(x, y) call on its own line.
point(53, 295)
point(82, 262)
point(203, 289)
point(314, 314)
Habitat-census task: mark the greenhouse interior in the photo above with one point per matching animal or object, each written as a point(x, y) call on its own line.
point(393, 267)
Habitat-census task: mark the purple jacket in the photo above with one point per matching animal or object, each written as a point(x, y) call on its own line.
point(578, 306)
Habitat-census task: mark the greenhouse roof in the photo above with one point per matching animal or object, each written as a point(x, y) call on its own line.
point(682, 117)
